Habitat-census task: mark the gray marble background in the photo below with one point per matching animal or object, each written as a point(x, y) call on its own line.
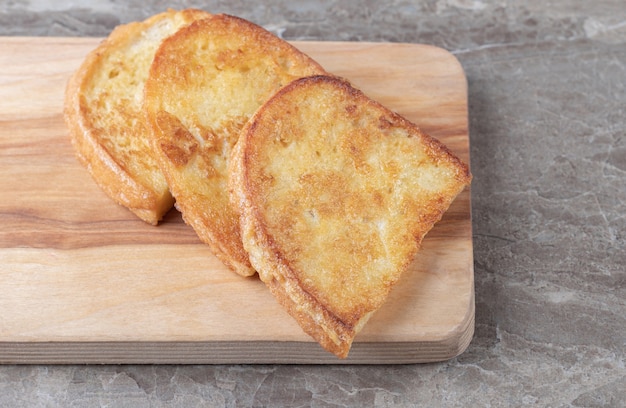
point(547, 101)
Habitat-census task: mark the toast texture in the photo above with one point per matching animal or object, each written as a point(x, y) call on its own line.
point(336, 193)
point(204, 84)
point(104, 113)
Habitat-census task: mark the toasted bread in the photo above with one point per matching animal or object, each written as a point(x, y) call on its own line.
point(205, 82)
point(103, 111)
point(336, 193)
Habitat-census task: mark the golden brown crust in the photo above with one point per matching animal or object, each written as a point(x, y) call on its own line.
point(336, 193)
point(106, 122)
point(204, 84)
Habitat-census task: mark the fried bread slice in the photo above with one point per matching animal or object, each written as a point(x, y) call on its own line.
point(336, 193)
point(205, 83)
point(104, 113)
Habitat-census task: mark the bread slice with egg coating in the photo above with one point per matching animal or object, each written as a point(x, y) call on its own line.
point(205, 83)
point(104, 113)
point(336, 193)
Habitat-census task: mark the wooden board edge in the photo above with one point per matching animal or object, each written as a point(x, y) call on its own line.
point(213, 353)
point(228, 352)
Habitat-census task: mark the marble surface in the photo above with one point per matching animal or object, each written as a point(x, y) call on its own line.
point(547, 101)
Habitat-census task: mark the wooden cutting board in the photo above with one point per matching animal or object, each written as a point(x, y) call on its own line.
point(84, 281)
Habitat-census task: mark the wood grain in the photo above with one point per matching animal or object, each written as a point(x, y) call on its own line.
point(82, 280)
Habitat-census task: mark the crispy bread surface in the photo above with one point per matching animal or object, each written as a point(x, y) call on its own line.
point(103, 111)
point(205, 83)
point(336, 193)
